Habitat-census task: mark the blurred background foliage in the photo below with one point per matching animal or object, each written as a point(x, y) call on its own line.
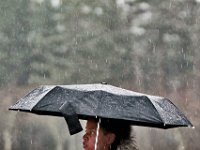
point(146, 46)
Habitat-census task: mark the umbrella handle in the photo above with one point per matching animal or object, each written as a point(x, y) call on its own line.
point(68, 111)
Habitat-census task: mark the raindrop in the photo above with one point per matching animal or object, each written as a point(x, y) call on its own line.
point(150, 41)
point(65, 74)
point(182, 50)
point(139, 82)
point(186, 100)
point(127, 38)
point(170, 4)
point(106, 61)
point(154, 49)
point(31, 141)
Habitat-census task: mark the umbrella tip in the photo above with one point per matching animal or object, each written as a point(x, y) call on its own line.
point(104, 83)
point(191, 126)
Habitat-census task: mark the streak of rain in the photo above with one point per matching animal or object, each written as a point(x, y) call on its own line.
point(38, 34)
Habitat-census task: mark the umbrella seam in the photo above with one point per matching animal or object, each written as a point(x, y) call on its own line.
point(50, 91)
point(157, 110)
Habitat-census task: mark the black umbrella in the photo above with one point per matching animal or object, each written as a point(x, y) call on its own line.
point(76, 102)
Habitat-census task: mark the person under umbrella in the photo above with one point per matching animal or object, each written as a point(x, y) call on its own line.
point(108, 134)
point(74, 102)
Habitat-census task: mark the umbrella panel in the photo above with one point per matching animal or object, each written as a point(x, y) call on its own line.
point(101, 104)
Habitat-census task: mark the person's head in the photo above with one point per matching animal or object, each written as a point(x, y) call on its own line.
point(111, 134)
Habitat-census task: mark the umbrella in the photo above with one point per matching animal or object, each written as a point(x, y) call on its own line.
point(81, 101)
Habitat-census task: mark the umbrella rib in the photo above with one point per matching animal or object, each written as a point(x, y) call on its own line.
point(46, 105)
point(43, 97)
point(156, 109)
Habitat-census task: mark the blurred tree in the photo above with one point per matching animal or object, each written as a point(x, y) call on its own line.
point(14, 32)
point(152, 46)
point(75, 42)
point(29, 135)
point(1, 140)
point(79, 42)
point(165, 46)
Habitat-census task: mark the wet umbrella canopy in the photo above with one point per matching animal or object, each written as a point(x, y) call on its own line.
point(76, 102)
